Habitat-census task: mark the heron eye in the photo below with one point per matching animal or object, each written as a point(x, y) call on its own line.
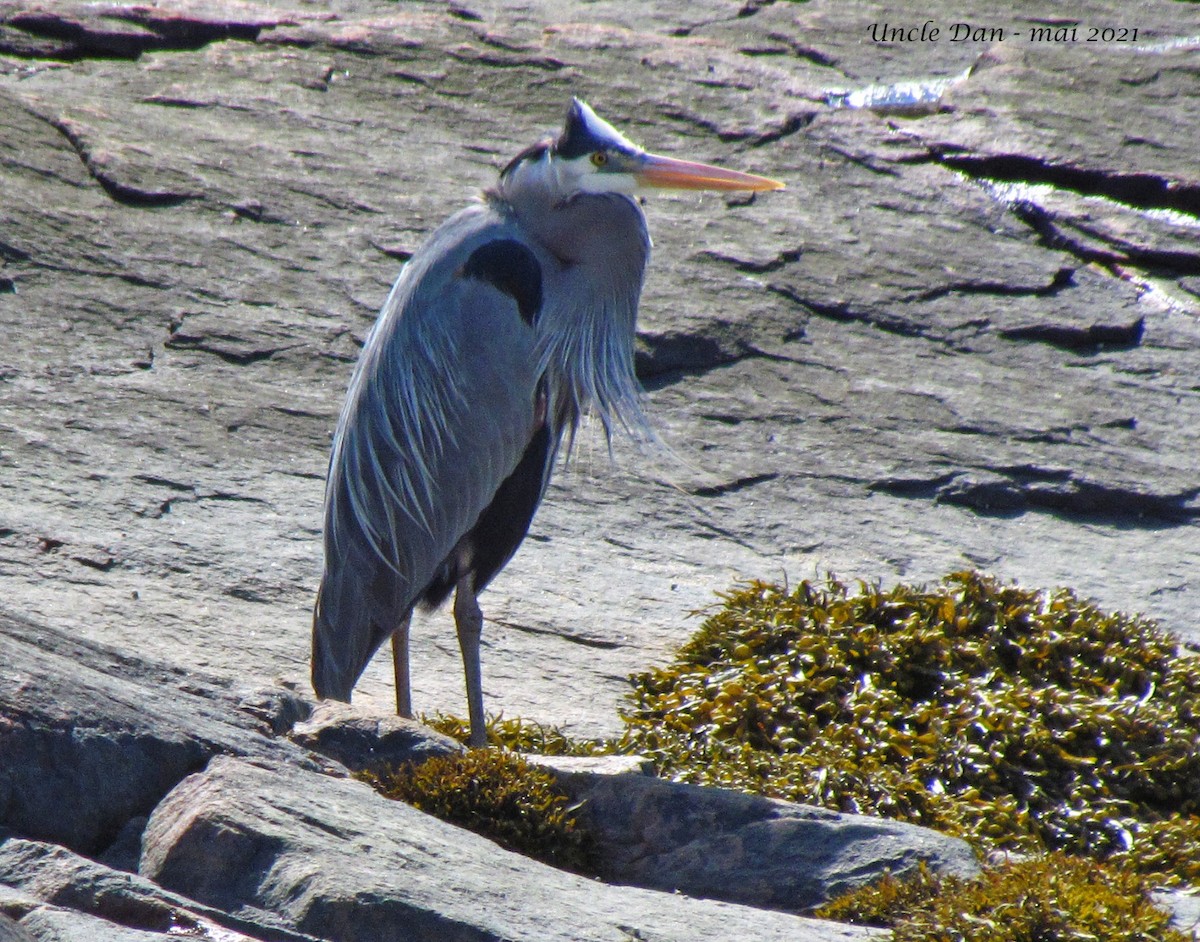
point(599, 158)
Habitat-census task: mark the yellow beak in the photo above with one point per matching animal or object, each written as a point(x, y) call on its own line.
point(671, 174)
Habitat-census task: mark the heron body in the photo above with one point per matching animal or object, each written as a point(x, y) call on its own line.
point(514, 319)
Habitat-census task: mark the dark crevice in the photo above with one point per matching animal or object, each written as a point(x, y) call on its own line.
point(230, 496)
point(462, 13)
point(1140, 190)
point(790, 124)
point(790, 46)
point(869, 162)
point(747, 9)
point(751, 7)
point(846, 313)
point(1013, 491)
point(785, 257)
point(732, 487)
point(797, 121)
point(583, 640)
point(113, 33)
point(163, 482)
point(207, 344)
point(102, 563)
point(10, 253)
point(477, 57)
point(137, 281)
point(1063, 278)
point(1047, 226)
point(120, 192)
point(1088, 339)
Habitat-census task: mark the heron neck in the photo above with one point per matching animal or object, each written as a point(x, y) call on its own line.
point(588, 326)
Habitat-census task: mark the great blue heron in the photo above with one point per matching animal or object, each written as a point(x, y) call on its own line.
point(510, 323)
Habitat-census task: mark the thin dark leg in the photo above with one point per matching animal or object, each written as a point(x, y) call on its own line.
point(400, 667)
point(469, 620)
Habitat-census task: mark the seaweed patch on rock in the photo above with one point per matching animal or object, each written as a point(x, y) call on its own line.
point(1017, 719)
point(498, 795)
point(1053, 898)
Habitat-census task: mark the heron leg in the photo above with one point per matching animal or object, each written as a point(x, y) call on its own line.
point(400, 666)
point(469, 620)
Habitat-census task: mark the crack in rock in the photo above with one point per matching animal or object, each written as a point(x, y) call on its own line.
point(752, 266)
point(96, 162)
point(586, 641)
point(10, 253)
point(845, 312)
point(1090, 339)
point(475, 56)
point(732, 487)
point(1140, 190)
point(120, 31)
point(1063, 278)
point(1050, 229)
point(1012, 491)
point(754, 136)
point(231, 348)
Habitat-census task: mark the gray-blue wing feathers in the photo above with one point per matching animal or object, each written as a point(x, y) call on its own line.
point(440, 410)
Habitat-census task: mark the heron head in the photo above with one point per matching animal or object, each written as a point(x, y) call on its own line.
point(591, 156)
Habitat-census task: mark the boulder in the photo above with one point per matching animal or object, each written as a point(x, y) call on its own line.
point(92, 738)
point(361, 740)
point(721, 844)
point(53, 894)
point(332, 858)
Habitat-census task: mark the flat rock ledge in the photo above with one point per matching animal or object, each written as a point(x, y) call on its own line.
point(141, 799)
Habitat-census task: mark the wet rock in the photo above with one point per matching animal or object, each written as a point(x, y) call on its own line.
point(332, 858)
point(1186, 909)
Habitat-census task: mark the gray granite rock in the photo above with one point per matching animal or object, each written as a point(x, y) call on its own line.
point(55, 894)
point(92, 737)
point(726, 845)
point(332, 858)
point(965, 335)
point(12, 931)
point(361, 740)
point(893, 369)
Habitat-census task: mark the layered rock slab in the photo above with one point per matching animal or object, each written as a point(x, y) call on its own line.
point(91, 738)
point(331, 858)
point(727, 845)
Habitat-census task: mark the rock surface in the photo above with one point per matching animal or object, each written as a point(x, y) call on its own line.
point(90, 738)
point(333, 859)
point(210, 811)
point(359, 741)
point(721, 844)
point(965, 335)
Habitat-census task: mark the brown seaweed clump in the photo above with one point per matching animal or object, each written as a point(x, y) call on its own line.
point(1053, 898)
point(1019, 720)
point(498, 795)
